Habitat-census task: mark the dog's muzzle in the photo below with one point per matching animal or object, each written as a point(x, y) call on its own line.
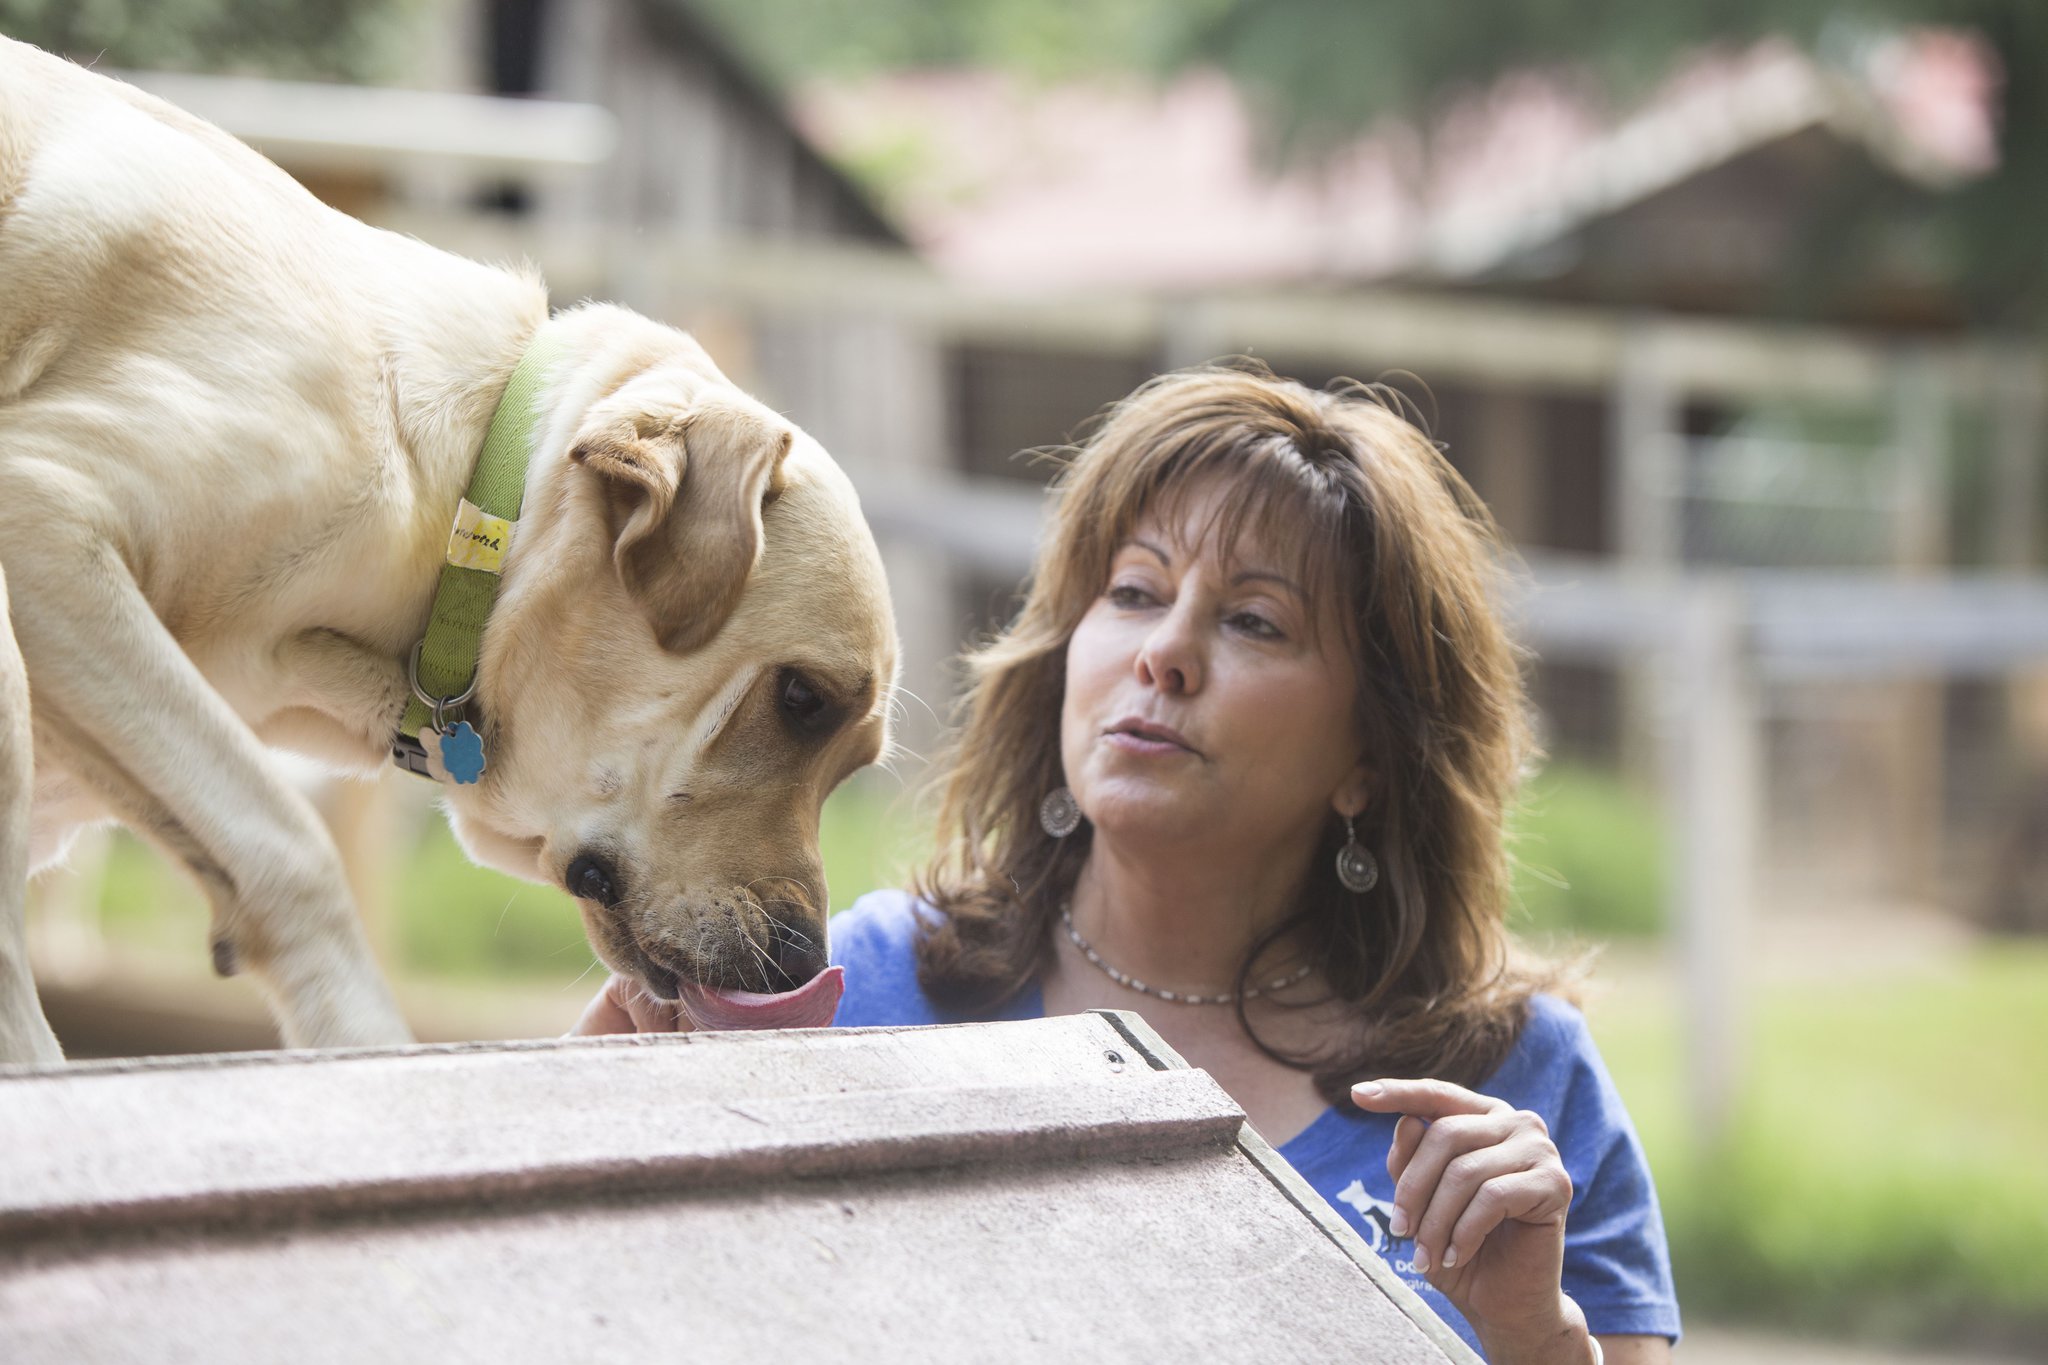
point(753, 958)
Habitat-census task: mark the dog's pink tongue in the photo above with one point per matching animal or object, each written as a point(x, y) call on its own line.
point(810, 1005)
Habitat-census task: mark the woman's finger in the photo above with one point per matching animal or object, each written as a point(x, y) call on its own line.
point(1538, 1195)
point(649, 1014)
point(606, 1013)
point(1407, 1137)
point(1463, 1179)
point(1449, 1141)
point(1424, 1099)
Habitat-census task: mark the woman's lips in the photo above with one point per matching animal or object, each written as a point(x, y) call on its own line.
point(1135, 736)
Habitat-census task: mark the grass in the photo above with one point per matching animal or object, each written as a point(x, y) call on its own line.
point(1883, 1176)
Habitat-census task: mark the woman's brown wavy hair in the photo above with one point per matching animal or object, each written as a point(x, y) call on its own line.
point(1367, 506)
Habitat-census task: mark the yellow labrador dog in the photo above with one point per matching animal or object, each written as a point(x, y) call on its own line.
point(235, 428)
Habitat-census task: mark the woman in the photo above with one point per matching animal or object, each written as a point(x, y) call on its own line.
point(1241, 765)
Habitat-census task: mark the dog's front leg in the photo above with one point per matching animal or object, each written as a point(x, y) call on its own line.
point(25, 1034)
point(128, 713)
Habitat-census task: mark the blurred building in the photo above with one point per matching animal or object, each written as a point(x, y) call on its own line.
point(1597, 306)
point(1598, 311)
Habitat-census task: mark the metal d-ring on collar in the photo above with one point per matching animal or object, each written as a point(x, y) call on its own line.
point(438, 705)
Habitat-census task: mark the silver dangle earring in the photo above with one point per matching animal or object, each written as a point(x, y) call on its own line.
point(1356, 867)
point(1059, 814)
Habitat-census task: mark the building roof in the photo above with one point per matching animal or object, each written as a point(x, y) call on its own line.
point(1125, 183)
point(1922, 113)
point(1052, 1190)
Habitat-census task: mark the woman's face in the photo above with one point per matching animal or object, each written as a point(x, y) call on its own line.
point(1209, 704)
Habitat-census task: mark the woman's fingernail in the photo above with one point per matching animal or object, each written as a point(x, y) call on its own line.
point(1450, 1257)
point(1398, 1223)
point(1368, 1090)
point(1422, 1258)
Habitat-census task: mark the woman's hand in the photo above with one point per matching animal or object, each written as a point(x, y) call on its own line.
point(622, 1007)
point(1482, 1190)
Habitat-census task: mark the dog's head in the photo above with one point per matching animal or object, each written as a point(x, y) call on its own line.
point(693, 646)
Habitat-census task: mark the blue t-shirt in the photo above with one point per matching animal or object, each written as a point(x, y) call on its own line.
point(1616, 1267)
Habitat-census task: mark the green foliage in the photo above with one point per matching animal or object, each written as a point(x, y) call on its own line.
point(457, 919)
point(1324, 69)
point(1589, 857)
point(343, 38)
point(1883, 1176)
point(143, 900)
point(793, 39)
point(870, 837)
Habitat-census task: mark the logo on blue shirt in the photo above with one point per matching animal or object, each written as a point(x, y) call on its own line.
point(1377, 1215)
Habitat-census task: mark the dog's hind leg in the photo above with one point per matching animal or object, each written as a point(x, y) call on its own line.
point(127, 712)
point(25, 1034)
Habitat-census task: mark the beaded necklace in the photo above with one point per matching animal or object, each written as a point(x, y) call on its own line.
point(1125, 979)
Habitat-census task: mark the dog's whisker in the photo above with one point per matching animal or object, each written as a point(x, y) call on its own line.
point(767, 982)
point(895, 754)
point(580, 975)
point(902, 692)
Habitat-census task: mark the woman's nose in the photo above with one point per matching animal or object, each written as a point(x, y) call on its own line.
point(1171, 658)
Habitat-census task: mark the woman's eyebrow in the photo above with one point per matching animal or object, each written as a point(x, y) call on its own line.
point(1268, 576)
point(1157, 553)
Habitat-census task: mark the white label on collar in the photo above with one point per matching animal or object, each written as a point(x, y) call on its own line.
point(479, 540)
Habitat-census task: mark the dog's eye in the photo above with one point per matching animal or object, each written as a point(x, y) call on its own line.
point(801, 702)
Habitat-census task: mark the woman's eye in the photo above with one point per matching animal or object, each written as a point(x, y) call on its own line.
point(1127, 595)
point(1251, 623)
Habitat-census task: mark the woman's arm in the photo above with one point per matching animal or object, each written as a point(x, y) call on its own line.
point(1636, 1350)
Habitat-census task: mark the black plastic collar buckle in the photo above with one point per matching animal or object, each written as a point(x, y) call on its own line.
point(408, 753)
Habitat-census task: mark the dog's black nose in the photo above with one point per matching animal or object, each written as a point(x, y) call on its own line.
point(590, 877)
point(799, 952)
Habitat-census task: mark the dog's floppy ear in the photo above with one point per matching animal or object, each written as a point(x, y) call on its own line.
point(684, 495)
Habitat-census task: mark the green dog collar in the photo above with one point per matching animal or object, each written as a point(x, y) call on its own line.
point(443, 665)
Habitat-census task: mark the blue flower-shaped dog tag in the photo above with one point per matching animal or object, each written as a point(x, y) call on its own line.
point(462, 752)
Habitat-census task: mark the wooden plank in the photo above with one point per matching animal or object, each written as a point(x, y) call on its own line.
point(1366, 330)
point(1012, 1191)
point(1160, 1055)
point(1805, 623)
point(1712, 776)
point(2019, 449)
point(277, 1136)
